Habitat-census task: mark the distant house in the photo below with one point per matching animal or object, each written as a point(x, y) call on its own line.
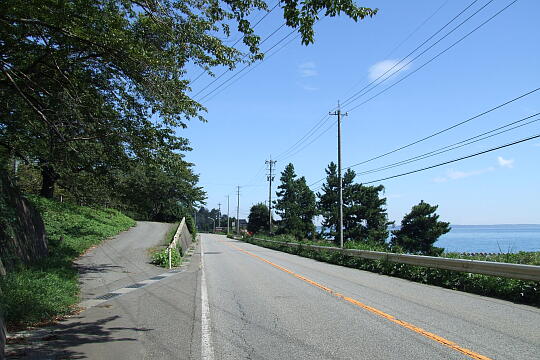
point(243, 224)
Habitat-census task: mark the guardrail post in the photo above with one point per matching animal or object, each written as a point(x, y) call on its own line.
point(170, 258)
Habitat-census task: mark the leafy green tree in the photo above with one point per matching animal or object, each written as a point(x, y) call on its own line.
point(364, 211)
point(88, 85)
point(420, 229)
point(258, 218)
point(295, 205)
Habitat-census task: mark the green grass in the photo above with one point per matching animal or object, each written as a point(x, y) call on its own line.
point(527, 292)
point(161, 258)
point(49, 289)
point(170, 234)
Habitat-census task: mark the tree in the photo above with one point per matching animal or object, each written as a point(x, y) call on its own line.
point(364, 212)
point(88, 85)
point(295, 205)
point(420, 229)
point(365, 218)
point(258, 218)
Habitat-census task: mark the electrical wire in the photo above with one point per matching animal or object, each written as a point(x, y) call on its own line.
point(252, 68)
point(413, 51)
point(382, 77)
point(447, 129)
point(240, 38)
point(433, 58)
point(239, 72)
point(352, 98)
point(456, 160)
point(460, 144)
point(438, 132)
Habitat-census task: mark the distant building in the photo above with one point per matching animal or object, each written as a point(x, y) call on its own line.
point(243, 224)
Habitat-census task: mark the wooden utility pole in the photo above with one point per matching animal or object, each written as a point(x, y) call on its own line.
point(270, 178)
point(339, 114)
point(228, 218)
point(238, 212)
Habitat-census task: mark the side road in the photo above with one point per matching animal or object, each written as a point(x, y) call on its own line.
point(120, 261)
point(155, 320)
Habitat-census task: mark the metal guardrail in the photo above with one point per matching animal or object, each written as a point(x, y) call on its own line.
point(181, 238)
point(507, 270)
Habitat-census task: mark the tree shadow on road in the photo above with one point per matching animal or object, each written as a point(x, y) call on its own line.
point(57, 342)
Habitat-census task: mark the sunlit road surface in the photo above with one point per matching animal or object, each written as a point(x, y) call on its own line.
point(239, 301)
point(265, 304)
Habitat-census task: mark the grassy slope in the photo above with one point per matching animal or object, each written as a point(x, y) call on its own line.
point(50, 288)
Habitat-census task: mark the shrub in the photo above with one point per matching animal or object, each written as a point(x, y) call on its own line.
point(161, 258)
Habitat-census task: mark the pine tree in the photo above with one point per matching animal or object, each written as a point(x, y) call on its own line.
point(295, 205)
point(420, 229)
point(364, 212)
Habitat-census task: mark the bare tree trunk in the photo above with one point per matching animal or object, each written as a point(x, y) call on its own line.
point(49, 178)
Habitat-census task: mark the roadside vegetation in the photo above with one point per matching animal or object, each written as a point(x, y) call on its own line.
point(160, 256)
point(49, 288)
point(366, 227)
point(526, 292)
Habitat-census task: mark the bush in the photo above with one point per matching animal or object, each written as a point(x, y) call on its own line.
point(161, 258)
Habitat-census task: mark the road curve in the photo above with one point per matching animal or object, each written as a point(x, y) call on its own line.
point(266, 304)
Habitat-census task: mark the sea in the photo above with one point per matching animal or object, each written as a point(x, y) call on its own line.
point(490, 238)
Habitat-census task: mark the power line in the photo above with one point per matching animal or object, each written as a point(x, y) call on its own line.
point(241, 37)
point(412, 52)
point(432, 59)
point(319, 124)
point(297, 147)
point(238, 72)
point(227, 71)
point(359, 93)
point(252, 68)
point(469, 141)
point(455, 160)
point(312, 141)
point(438, 132)
point(447, 129)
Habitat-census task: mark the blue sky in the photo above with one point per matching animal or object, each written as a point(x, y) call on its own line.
point(268, 110)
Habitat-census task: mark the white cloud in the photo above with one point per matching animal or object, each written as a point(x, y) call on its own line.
point(308, 69)
point(380, 68)
point(310, 88)
point(457, 175)
point(505, 163)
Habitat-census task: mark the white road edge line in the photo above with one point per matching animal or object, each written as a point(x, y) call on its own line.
point(207, 351)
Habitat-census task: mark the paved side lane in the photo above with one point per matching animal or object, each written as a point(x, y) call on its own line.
point(158, 321)
point(261, 312)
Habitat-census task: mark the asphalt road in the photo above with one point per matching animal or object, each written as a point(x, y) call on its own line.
point(240, 301)
point(157, 321)
point(266, 304)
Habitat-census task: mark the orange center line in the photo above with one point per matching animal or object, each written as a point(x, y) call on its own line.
point(416, 329)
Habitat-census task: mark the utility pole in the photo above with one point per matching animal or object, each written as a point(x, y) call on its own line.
point(238, 212)
point(339, 114)
point(228, 218)
point(219, 215)
point(270, 178)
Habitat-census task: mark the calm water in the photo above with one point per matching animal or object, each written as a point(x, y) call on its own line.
point(491, 238)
